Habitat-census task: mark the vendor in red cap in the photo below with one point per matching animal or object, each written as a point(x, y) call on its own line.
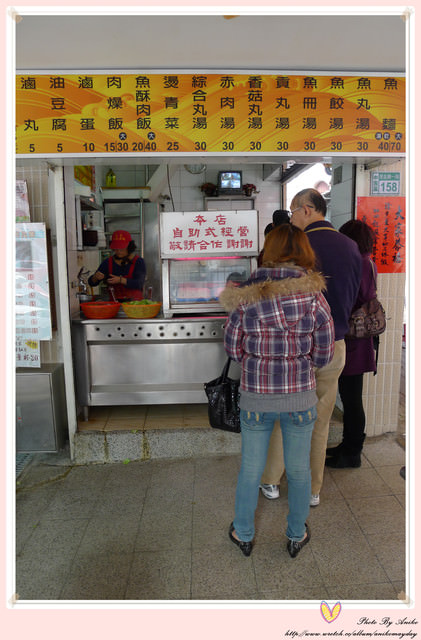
point(124, 272)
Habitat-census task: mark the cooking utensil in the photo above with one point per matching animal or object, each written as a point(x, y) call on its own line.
point(111, 290)
point(85, 297)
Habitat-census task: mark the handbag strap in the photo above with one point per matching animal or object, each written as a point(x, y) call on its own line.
point(224, 374)
point(376, 344)
point(374, 274)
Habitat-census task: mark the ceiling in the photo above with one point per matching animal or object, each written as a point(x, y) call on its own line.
point(373, 43)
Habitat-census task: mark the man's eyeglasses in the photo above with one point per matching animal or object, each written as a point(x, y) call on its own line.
point(293, 211)
point(310, 206)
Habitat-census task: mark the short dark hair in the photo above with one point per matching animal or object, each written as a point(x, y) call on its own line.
point(314, 198)
point(131, 247)
point(236, 276)
point(268, 228)
point(280, 216)
point(361, 233)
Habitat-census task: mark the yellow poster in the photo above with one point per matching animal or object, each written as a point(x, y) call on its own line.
point(223, 113)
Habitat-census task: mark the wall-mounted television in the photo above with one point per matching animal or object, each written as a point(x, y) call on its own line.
point(230, 183)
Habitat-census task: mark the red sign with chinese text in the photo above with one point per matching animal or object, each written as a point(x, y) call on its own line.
point(387, 217)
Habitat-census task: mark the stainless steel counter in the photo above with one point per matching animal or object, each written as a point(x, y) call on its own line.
point(159, 361)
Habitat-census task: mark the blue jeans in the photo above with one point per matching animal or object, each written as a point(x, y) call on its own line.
point(256, 429)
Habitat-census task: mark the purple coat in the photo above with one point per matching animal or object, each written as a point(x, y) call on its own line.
point(360, 354)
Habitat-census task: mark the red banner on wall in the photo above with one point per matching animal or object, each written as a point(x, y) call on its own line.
point(387, 217)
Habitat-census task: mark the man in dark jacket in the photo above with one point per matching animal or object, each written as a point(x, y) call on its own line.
point(339, 259)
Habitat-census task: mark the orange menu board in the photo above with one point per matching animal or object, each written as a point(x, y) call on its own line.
point(223, 113)
point(387, 218)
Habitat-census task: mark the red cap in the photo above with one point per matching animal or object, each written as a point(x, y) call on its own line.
point(120, 239)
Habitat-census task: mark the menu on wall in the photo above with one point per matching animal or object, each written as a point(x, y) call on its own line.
point(27, 353)
point(208, 233)
point(206, 112)
point(386, 215)
point(33, 317)
point(22, 212)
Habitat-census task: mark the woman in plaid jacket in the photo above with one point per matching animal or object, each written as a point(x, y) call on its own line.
point(279, 329)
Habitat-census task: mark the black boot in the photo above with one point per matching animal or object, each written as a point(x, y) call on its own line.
point(334, 451)
point(344, 460)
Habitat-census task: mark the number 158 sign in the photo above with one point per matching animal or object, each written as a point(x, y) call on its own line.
point(385, 182)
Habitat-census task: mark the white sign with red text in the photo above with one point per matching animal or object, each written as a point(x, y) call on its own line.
point(32, 293)
point(208, 233)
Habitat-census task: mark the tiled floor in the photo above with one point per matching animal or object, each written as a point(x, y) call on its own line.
point(158, 530)
point(174, 416)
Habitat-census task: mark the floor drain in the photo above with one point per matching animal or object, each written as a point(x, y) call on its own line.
point(22, 459)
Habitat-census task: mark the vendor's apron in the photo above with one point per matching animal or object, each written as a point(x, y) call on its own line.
point(121, 292)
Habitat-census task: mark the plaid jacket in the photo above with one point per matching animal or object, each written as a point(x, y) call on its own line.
point(279, 329)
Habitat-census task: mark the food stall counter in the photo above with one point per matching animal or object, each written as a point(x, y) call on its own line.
point(123, 361)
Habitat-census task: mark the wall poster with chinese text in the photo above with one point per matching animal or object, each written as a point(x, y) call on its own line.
point(386, 215)
point(33, 317)
point(174, 113)
point(22, 213)
point(208, 233)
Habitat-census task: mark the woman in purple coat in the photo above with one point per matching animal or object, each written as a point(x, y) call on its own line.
point(360, 358)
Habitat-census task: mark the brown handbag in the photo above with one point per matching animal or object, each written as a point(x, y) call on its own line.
point(369, 320)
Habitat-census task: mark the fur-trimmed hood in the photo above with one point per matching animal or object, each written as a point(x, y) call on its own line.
point(266, 283)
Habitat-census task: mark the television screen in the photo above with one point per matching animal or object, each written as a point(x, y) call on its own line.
point(230, 182)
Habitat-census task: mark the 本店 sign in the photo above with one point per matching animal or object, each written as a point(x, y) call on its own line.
point(385, 182)
point(387, 218)
point(208, 233)
point(207, 112)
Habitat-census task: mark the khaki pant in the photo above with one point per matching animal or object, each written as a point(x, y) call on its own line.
point(326, 390)
point(275, 467)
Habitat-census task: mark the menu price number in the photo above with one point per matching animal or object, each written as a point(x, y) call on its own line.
point(389, 146)
point(309, 145)
point(124, 147)
point(33, 149)
point(386, 143)
point(335, 145)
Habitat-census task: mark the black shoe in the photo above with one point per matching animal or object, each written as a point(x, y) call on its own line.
point(343, 461)
point(245, 547)
point(334, 451)
point(294, 547)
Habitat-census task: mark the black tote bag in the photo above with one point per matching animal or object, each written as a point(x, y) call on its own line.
point(223, 409)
